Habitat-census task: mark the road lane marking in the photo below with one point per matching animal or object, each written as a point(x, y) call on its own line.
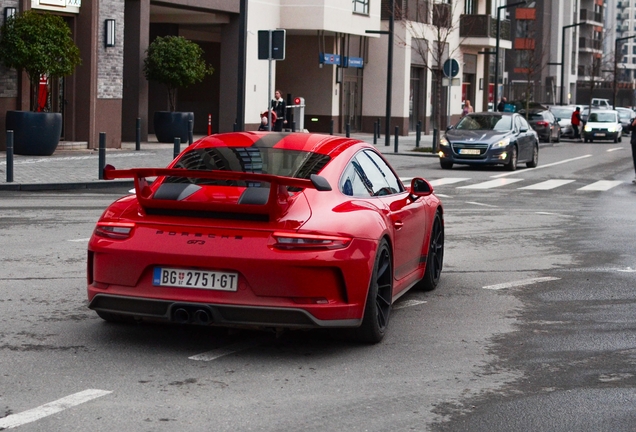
point(480, 204)
point(79, 240)
point(408, 303)
point(491, 184)
point(547, 185)
point(614, 149)
point(448, 180)
point(230, 349)
point(601, 185)
point(29, 416)
point(542, 166)
point(519, 283)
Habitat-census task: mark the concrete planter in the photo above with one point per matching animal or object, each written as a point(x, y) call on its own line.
point(34, 133)
point(169, 125)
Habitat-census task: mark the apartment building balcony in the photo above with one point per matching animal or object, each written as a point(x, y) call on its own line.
point(481, 31)
point(590, 45)
point(590, 15)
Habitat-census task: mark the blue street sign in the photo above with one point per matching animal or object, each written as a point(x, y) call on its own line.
point(354, 62)
point(330, 59)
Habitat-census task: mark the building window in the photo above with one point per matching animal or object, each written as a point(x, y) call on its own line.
point(361, 6)
point(522, 59)
point(470, 7)
point(634, 49)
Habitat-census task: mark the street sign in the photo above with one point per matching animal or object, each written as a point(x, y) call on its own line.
point(271, 44)
point(451, 68)
point(329, 59)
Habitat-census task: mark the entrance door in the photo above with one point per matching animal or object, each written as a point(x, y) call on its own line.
point(352, 103)
point(415, 97)
point(56, 101)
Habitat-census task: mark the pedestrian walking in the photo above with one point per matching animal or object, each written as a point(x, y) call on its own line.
point(467, 108)
point(280, 108)
point(501, 106)
point(576, 123)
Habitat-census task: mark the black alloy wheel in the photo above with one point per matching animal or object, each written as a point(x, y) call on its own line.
point(379, 298)
point(435, 258)
point(512, 161)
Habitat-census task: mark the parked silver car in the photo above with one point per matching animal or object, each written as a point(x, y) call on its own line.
point(563, 113)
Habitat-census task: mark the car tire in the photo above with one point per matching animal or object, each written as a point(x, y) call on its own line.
point(434, 257)
point(445, 164)
point(512, 162)
point(535, 157)
point(379, 297)
point(586, 140)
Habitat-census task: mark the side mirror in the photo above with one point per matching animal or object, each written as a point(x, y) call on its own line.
point(449, 127)
point(420, 187)
point(558, 119)
point(522, 130)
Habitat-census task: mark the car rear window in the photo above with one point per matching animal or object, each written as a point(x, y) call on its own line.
point(262, 160)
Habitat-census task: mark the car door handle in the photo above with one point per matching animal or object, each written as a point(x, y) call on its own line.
point(398, 225)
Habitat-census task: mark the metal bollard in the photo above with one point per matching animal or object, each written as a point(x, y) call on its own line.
point(348, 130)
point(331, 127)
point(379, 127)
point(375, 137)
point(190, 131)
point(293, 128)
point(397, 132)
point(235, 127)
point(177, 147)
point(9, 156)
point(102, 154)
point(434, 146)
point(418, 133)
point(138, 135)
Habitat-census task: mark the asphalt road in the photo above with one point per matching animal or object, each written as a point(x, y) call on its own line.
point(530, 329)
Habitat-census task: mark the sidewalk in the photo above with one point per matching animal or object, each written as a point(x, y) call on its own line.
point(74, 167)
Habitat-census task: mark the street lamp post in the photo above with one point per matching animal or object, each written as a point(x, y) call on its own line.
point(616, 63)
point(563, 56)
point(497, 43)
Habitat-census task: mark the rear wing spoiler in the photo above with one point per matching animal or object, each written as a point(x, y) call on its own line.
point(276, 202)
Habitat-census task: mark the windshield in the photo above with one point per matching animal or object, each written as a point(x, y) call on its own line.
point(625, 114)
point(485, 122)
point(562, 112)
point(602, 117)
point(263, 160)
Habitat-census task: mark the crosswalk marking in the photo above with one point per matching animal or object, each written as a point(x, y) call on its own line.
point(601, 185)
point(491, 184)
point(547, 185)
point(448, 180)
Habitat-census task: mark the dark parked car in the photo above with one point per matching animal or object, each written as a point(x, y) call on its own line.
point(490, 138)
point(626, 117)
point(545, 124)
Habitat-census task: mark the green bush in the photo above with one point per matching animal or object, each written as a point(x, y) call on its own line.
point(39, 44)
point(175, 62)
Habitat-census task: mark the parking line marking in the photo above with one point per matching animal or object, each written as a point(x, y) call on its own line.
point(79, 240)
point(547, 185)
point(519, 283)
point(29, 416)
point(601, 185)
point(480, 204)
point(614, 149)
point(230, 349)
point(491, 184)
point(408, 303)
point(542, 166)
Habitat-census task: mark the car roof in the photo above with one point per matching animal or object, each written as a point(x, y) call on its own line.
point(298, 141)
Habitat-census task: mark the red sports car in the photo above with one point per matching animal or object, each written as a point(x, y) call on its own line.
point(267, 230)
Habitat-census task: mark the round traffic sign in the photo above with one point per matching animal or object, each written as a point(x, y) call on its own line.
point(451, 68)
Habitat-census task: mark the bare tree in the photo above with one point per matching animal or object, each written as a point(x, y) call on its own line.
point(423, 19)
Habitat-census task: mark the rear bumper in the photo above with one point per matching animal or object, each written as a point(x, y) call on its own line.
point(221, 315)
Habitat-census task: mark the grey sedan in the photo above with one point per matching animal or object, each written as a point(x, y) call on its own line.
point(490, 138)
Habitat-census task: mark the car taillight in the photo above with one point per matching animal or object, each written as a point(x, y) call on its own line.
point(114, 230)
point(543, 123)
point(308, 241)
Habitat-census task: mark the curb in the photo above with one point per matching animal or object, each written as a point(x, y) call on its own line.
point(34, 187)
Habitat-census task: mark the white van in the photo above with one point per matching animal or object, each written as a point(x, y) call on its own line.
point(601, 103)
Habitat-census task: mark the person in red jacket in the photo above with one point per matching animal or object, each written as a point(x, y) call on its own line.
point(576, 123)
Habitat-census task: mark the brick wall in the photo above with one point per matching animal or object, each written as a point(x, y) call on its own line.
point(110, 63)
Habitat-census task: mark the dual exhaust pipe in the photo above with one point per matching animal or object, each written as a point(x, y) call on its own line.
point(196, 316)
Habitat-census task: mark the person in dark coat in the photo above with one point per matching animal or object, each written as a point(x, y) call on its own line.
point(501, 106)
point(280, 108)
